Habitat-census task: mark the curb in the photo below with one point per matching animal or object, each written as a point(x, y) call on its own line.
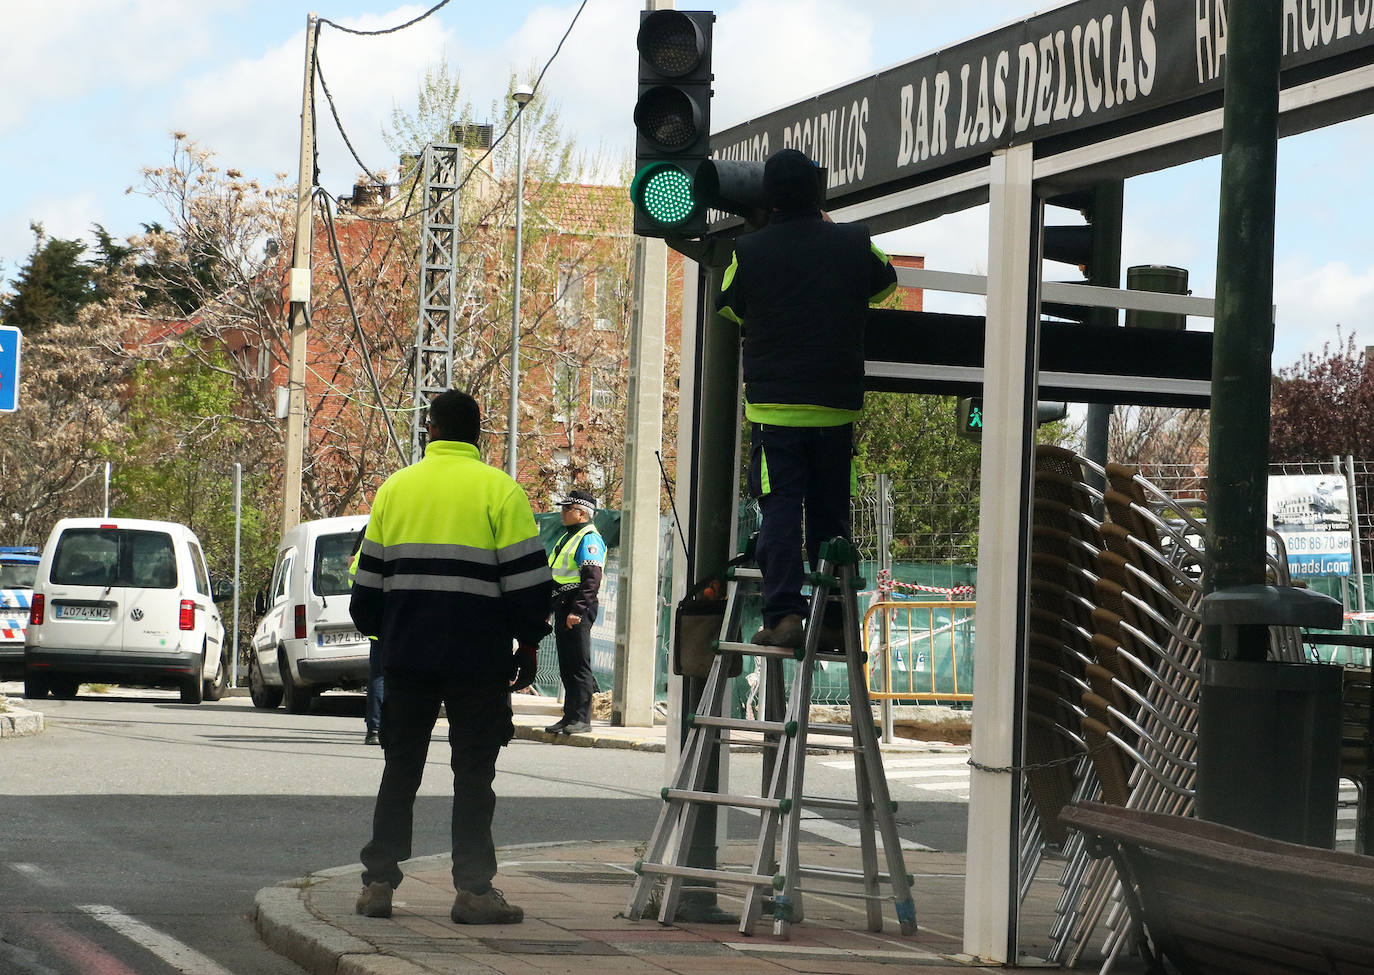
point(287, 926)
point(588, 739)
point(19, 723)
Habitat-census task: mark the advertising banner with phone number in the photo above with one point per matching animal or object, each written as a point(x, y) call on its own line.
point(1311, 512)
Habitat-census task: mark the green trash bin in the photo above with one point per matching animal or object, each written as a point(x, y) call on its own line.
point(1269, 746)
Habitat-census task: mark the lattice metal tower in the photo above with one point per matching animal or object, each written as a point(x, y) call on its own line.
point(438, 283)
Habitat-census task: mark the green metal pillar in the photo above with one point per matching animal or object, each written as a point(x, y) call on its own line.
point(714, 445)
point(1242, 348)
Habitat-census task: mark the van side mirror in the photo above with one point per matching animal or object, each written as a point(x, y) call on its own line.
point(260, 602)
point(222, 590)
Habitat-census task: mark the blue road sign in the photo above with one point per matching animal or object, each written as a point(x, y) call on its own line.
point(10, 340)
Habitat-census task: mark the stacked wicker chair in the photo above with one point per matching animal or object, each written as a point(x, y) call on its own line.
point(1114, 671)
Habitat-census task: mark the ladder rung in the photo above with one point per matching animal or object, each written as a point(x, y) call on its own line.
point(717, 799)
point(838, 746)
point(702, 873)
point(788, 728)
point(852, 894)
point(758, 650)
point(830, 727)
point(826, 802)
point(742, 572)
point(832, 873)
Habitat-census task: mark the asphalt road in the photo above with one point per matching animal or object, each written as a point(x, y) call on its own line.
point(135, 831)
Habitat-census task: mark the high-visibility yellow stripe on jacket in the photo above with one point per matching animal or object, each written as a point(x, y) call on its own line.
point(451, 568)
point(563, 559)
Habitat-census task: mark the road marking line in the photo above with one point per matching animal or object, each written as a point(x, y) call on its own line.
point(933, 773)
point(184, 959)
point(89, 957)
point(36, 873)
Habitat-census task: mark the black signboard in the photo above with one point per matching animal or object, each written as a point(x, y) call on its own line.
point(1088, 64)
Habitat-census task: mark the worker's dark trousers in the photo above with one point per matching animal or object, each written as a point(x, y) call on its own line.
point(479, 723)
point(797, 473)
point(575, 666)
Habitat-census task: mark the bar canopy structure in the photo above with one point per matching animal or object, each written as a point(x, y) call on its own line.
point(1090, 92)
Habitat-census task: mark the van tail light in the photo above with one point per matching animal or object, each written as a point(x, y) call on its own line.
point(36, 609)
point(187, 620)
point(300, 622)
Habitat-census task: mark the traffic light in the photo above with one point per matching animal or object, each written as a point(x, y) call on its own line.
point(672, 121)
point(1094, 247)
point(971, 415)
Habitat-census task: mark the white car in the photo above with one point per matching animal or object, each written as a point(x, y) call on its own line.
point(124, 600)
point(306, 642)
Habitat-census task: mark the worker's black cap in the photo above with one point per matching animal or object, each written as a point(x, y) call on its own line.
point(791, 181)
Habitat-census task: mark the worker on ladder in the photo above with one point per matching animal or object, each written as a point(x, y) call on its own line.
point(800, 289)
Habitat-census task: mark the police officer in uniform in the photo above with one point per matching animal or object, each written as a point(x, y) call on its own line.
point(451, 572)
point(577, 560)
point(800, 287)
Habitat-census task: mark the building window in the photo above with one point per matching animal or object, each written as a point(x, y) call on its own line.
point(571, 296)
point(602, 388)
point(605, 300)
point(564, 390)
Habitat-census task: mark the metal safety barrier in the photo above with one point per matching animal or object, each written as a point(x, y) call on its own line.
point(921, 648)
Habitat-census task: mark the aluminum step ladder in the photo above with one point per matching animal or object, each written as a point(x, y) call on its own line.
point(774, 880)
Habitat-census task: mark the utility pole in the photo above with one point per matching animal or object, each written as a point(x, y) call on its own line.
point(300, 293)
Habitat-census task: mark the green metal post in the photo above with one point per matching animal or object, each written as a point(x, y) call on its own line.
point(1242, 349)
point(714, 442)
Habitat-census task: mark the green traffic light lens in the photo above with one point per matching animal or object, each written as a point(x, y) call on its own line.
point(664, 192)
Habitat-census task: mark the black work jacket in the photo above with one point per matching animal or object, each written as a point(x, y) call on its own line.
point(801, 287)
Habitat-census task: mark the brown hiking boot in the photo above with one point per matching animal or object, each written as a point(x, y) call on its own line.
point(488, 908)
point(787, 632)
point(375, 900)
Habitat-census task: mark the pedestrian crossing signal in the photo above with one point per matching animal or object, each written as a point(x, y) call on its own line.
point(971, 417)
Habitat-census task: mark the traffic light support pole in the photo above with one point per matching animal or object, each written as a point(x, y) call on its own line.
point(1237, 475)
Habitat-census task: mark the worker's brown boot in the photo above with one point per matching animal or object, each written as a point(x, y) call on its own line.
point(787, 632)
point(375, 900)
point(488, 908)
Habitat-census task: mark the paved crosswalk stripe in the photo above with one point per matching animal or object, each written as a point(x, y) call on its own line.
point(184, 959)
point(36, 874)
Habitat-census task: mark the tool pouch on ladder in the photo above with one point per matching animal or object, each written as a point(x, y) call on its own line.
point(696, 629)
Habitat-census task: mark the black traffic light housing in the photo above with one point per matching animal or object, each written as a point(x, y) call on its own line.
point(737, 187)
point(971, 416)
point(672, 121)
point(1094, 247)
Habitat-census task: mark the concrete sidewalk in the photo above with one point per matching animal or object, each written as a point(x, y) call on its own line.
point(575, 894)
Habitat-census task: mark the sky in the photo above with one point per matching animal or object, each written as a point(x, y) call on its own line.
point(94, 90)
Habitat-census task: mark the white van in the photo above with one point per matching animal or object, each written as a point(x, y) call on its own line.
point(306, 641)
point(124, 600)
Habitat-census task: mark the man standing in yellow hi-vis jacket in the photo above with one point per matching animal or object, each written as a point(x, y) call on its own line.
point(450, 574)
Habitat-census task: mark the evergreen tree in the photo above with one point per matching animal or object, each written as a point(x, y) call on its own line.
point(52, 286)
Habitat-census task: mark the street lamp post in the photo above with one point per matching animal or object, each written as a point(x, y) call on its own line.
point(521, 96)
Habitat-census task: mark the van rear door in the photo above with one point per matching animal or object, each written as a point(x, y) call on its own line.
point(85, 600)
point(330, 589)
point(151, 600)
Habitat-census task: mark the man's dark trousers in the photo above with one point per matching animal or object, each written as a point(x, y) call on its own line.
point(575, 666)
point(479, 721)
point(808, 476)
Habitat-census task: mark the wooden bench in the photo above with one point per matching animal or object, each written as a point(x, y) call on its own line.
point(1212, 899)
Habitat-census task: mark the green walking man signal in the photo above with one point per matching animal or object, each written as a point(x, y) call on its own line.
point(971, 415)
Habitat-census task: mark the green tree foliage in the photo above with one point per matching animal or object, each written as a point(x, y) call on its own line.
point(182, 440)
point(934, 472)
point(52, 286)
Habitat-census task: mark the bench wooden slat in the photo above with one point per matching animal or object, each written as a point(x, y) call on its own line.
point(1220, 900)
